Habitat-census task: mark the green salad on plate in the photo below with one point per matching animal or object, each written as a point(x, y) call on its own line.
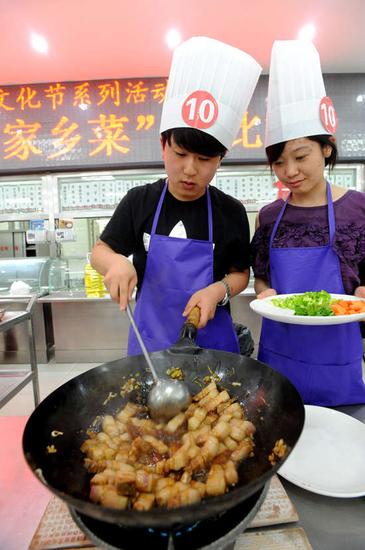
point(309, 303)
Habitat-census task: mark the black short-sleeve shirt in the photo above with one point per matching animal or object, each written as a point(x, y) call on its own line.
point(134, 216)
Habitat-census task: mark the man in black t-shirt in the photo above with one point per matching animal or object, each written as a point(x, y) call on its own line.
point(184, 213)
point(189, 241)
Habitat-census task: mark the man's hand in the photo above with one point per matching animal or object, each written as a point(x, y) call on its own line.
point(120, 279)
point(206, 299)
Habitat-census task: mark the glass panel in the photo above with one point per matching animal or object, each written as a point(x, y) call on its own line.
point(67, 274)
point(248, 186)
point(344, 177)
point(256, 187)
point(98, 191)
point(32, 271)
point(21, 196)
point(82, 243)
point(87, 231)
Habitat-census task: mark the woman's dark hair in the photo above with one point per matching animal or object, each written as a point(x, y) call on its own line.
point(273, 152)
point(194, 141)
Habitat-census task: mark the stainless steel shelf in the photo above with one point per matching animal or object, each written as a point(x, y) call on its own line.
point(11, 382)
point(12, 318)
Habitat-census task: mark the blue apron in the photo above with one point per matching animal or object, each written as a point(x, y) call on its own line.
point(323, 362)
point(175, 269)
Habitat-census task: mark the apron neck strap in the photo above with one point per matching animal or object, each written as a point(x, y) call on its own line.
point(210, 217)
point(158, 209)
point(330, 212)
point(278, 220)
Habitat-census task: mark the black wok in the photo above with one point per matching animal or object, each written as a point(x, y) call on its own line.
point(270, 400)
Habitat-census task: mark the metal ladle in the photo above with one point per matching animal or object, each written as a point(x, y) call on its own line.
point(167, 397)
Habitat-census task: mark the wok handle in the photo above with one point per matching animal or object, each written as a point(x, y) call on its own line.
point(194, 317)
point(189, 330)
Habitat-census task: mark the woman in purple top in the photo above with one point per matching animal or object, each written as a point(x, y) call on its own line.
point(314, 240)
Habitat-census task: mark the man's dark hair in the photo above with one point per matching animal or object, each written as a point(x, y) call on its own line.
point(273, 152)
point(194, 141)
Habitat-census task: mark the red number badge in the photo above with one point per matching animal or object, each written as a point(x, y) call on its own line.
point(200, 110)
point(328, 115)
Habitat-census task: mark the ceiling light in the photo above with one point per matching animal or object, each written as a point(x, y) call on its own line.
point(173, 38)
point(307, 32)
point(360, 98)
point(39, 43)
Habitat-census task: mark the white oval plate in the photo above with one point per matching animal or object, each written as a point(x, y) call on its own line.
point(329, 456)
point(267, 309)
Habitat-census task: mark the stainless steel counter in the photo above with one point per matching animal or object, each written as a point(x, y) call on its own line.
point(11, 382)
point(95, 330)
point(87, 329)
point(14, 347)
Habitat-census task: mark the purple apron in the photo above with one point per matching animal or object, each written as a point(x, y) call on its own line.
point(323, 362)
point(175, 269)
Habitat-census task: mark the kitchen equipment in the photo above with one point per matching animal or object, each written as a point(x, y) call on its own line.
point(167, 397)
point(213, 533)
point(271, 402)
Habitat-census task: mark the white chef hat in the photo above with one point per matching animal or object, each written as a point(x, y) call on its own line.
point(297, 105)
point(209, 88)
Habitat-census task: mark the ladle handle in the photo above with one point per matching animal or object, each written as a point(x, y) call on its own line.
point(141, 343)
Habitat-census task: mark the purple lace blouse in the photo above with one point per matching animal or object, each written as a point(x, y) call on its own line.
point(308, 226)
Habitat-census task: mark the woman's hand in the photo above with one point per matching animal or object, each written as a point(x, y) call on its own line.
point(120, 279)
point(263, 289)
point(206, 299)
point(360, 292)
point(265, 293)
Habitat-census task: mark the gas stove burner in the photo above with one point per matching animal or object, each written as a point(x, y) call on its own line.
point(208, 534)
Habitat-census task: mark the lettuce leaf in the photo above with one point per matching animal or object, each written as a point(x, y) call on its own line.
point(309, 303)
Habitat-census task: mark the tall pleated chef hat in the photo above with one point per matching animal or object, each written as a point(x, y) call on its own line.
point(297, 105)
point(209, 88)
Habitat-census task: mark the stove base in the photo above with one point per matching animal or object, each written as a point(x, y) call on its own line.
point(210, 534)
